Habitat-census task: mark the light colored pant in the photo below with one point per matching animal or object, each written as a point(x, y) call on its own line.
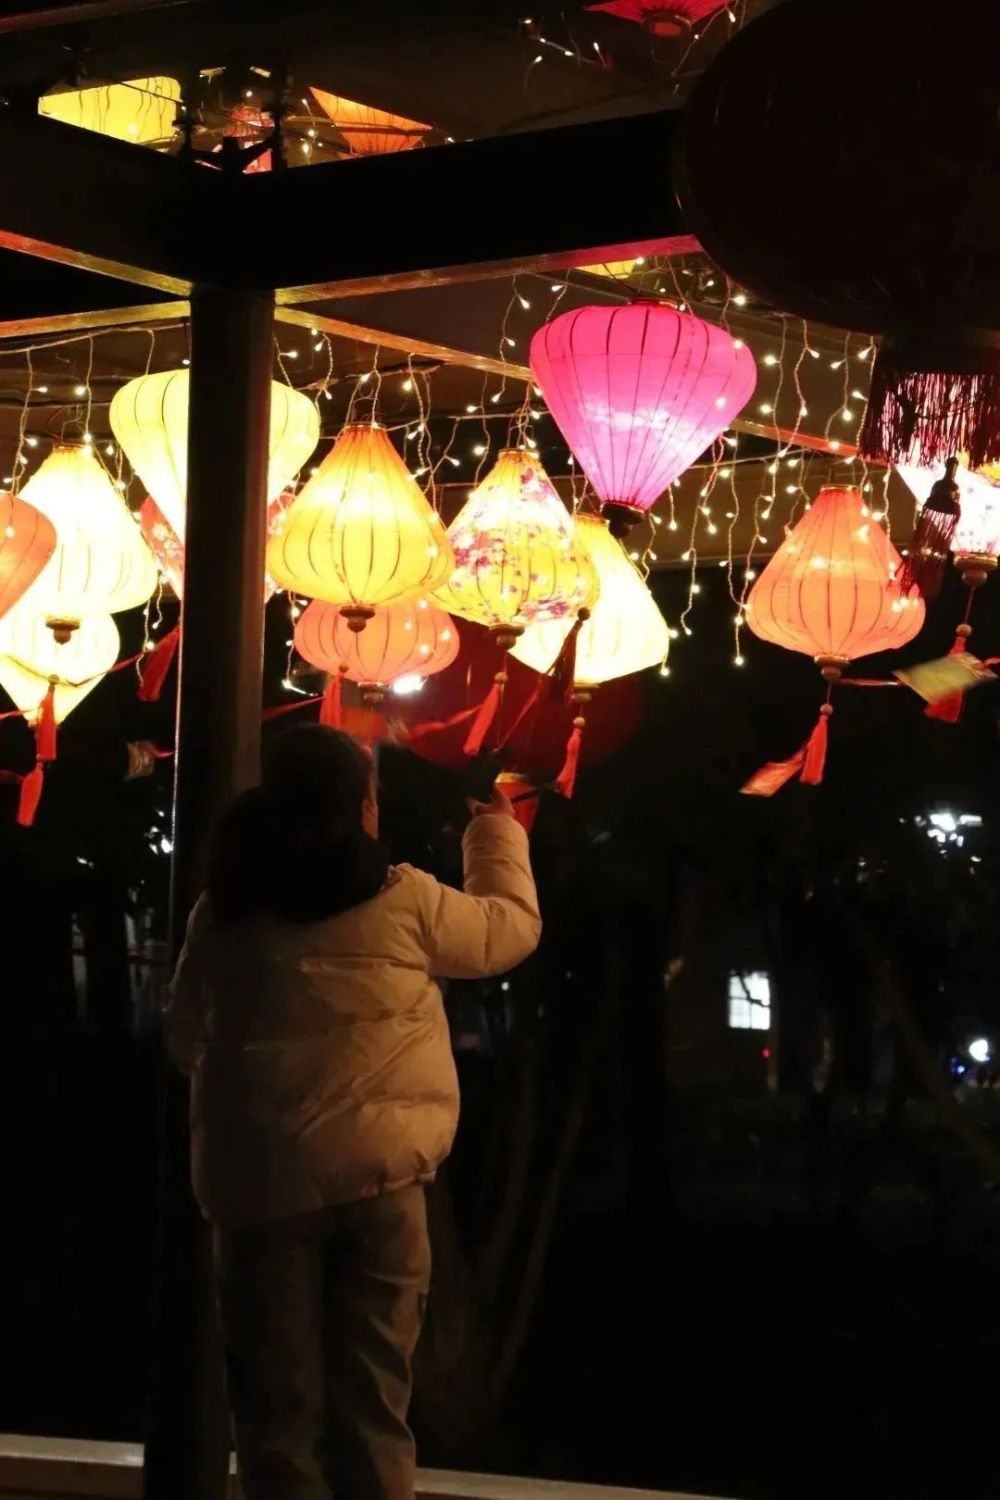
point(320, 1317)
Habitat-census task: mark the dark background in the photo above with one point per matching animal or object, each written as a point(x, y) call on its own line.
point(663, 1258)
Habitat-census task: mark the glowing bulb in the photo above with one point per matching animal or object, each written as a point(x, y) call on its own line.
point(79, 390)
point(979, 1050)
point(770, 359)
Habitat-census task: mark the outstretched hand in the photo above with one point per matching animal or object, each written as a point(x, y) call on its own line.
point(499, 804)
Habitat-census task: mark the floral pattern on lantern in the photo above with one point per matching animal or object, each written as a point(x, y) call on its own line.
point(639, 393)
point(978, 530)
point(413, 639)
point(27, 541)
point(168, 549)
point(32, 660)
point(149, 417)
point(101, 564)
point(831, 590)
point(360, 533)
point(516, 555)
point(625, 632)
point(367, 130)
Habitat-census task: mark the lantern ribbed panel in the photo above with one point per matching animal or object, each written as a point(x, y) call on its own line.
point(639, 393)
point(168, 550)
point(625, 633)
point(137, 110)
point(149, 417)
point(516, 554)
point(830, 588)
point(31, 659)
point(27, 541)
point(367, 130)
point(101, 563)
point(360, 531)
point(978, 529)
point(413, 637)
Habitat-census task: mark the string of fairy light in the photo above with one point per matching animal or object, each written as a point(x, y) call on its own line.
point(702, 509)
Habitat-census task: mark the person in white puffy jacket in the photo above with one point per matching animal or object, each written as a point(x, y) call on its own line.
point(324, 1097)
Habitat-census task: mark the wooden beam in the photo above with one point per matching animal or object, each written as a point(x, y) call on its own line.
point(109, 317)
point(423, 348)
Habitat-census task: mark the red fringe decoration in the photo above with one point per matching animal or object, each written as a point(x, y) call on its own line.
point(329, 708)
point(155, 666)
point(486, 714)
point(45, 726)
point(814, 750)
point(930, 548)
point(565, 782)
point(31, 794)
point(920, 414)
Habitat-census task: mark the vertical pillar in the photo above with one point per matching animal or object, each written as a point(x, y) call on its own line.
point(217, 756)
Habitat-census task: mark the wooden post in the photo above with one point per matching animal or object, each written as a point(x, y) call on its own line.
point(218, 755)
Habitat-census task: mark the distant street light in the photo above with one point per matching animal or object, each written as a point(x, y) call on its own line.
point(979, 1050)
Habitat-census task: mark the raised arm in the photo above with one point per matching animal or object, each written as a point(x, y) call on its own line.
point(188, 1001)
point(494, 923)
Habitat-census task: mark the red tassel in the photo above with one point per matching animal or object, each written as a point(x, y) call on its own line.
point(562, 673)
point(814, 750)
point(155, 666)
point(927, 403)
point(565, 782)
point(484, 718)
point(31, 794)
point(45, 726)
point(930, 548)
point(329, 708)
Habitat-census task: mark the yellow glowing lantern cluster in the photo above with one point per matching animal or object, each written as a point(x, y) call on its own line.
point(402, 644)
point(517, 559)
point(149, 417)
point(139, 109)
point(32, 660)
point(367, 130)
point(625, 632)
point(101, 563)
point(360, 533)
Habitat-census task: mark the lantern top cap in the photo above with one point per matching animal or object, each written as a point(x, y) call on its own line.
point(517, 453)
point(371, 426)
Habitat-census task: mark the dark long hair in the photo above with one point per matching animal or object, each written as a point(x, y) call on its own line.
point(294, 847)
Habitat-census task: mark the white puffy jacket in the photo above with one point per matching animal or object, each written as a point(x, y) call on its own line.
point(320, 1054)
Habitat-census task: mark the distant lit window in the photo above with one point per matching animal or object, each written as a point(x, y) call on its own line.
point(750, 1002)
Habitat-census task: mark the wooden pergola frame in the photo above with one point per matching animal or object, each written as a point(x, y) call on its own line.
point(217, 246)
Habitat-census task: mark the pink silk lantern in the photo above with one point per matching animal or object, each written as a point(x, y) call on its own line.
point(168, 549)
point(662, 17)
point(639, 393)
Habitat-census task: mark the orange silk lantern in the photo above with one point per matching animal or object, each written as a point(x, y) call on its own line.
point(832, 591)
point(27, 541)
point(360, 533)
point(367, 130)
point(409, 640)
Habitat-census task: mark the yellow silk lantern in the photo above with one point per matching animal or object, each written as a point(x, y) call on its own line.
point(615, 268)
point(360, 533)
point(625, 632)
point(140, 109)
point(367, 130)
point(149, 417)
point(32, 660)
point(101, 563)
point(517, 559)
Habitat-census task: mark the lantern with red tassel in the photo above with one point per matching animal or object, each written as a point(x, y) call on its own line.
point(400, 643)
point(622, 634)
point(831, 591)
point(924, 276)
point(639, 392)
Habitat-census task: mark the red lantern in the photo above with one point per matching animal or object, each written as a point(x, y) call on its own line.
point(915, 132)
point(404, 641)
point(639, 393)
point(832, 591)
point(27, 541)
point(662, 17)
point(537, 746)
